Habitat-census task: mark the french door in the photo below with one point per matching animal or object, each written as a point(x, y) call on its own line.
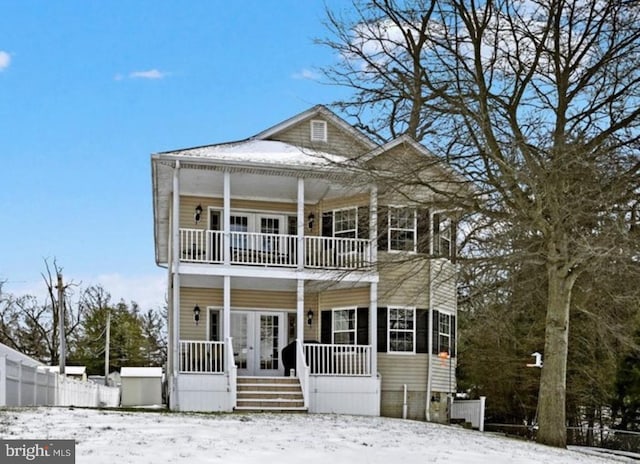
point(258, 339)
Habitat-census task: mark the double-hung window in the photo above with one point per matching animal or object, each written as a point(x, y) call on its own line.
point(345, 223)
point(401, 324)
point(444, 334)
point(402, 229)
point(344, 326)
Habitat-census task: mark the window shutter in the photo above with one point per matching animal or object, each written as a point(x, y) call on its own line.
point(422, 331)
point(454, 248)
point(214, 332)
point(423, 230)
point(383, 228)
point(382, 330)
point(452, 348)
point(363, 222)
point(436, 234)
point(327, 224)
point(362, 333)
point(326, 322)
point(435, 346)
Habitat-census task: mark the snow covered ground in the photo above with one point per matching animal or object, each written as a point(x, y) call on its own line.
point(154, 437)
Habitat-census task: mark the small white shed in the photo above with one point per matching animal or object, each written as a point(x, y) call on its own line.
point(141, 386)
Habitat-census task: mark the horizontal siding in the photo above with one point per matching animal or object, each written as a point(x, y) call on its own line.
point(397, 370)
point(188, 205)
point(344, 202)
point(344, 297)
point(443, 275)
point(338, 141)
point(440, 375)
point(403, 283)
point(245, 299)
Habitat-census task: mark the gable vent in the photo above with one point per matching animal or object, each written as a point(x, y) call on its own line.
point(318, 131)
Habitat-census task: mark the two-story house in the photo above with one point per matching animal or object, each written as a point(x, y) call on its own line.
point(296, 282)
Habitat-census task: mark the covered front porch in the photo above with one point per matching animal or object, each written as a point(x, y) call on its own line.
point(332, 378)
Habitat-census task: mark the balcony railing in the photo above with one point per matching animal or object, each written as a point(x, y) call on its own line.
point(249, 248)
point(341, 360)
point(201, 357)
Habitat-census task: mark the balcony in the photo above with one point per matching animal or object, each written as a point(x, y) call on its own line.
point(278, 250)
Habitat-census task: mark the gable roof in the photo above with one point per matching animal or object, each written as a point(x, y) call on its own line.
point(318, 110)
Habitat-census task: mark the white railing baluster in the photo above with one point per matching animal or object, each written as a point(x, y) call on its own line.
point(201, 357)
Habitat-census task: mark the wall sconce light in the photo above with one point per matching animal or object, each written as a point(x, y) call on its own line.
point(310, 317)
point(310, 220)
point(196, 314)
point(198, 213)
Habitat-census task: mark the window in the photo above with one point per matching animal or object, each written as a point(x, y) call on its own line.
point(344, 326)
point(444, 333)
point(444, 236)
point(402, 229)
point(345, 223)
point(402, 330)
point(318, 131)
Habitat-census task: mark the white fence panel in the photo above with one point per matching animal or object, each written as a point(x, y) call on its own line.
point(471, 411)
point(24, 383)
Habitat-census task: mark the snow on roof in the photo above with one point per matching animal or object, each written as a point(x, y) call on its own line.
point(266, 152)
point(140, 372)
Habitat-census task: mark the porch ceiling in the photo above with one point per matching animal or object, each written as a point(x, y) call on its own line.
point(250, 283)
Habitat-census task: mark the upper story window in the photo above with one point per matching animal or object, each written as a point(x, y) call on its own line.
point(402, 229)
point(402, 330)
point(318, 131)
point(443, 236)
point(345, 223)
point(444, 333)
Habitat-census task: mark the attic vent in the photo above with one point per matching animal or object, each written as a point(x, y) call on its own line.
point(318, 131)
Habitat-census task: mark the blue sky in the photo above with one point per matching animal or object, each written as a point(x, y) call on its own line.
point(89, 89)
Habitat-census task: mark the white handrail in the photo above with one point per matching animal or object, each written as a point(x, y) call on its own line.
point(302, 371)
point(198, 356)
point(263, 249)
point(341, 360)
point(232, 372)
point(337, 252)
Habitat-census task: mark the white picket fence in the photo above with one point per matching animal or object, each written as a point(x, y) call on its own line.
point(23, 382)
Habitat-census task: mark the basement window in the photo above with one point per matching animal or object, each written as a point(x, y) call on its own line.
point(318, 131)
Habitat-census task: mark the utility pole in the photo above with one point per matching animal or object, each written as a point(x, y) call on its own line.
point(106, 349)
point(63, 347)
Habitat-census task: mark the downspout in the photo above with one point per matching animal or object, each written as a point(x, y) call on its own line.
point(430, 325)
point(175, 267)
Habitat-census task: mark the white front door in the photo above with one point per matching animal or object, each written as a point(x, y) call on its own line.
point(258, 339)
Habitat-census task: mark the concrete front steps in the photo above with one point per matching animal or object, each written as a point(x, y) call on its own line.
point(269, 394)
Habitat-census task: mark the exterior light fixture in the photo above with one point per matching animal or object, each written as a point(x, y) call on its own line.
point(197, 214)
point(196, 314)
point(310, 317)
point(310, 220)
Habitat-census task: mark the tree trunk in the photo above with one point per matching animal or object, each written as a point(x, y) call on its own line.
point(553, 379)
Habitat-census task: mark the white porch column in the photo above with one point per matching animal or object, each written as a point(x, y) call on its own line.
point(226, 217)
point(300, 218)
point(300, 311)
point(300, 241)
point(174, 269)
point(226, 307)
point(373, 289)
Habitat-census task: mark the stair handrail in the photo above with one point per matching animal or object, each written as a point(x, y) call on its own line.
point(302, 371)
point(232, 372)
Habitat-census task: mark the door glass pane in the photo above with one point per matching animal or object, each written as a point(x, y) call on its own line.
point(239, 224)
point(269, 226)
point(269, 349)
point(239, 334)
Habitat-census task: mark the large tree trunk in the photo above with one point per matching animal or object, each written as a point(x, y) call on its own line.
point(553, 379)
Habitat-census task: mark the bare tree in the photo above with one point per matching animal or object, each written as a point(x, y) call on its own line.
point(537, 103)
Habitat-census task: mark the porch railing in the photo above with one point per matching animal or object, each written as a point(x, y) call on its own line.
point(248, 248)
point(302, 372)
point(337, 253)
point(232, 372)
point(342, 360)
point(201, 357)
